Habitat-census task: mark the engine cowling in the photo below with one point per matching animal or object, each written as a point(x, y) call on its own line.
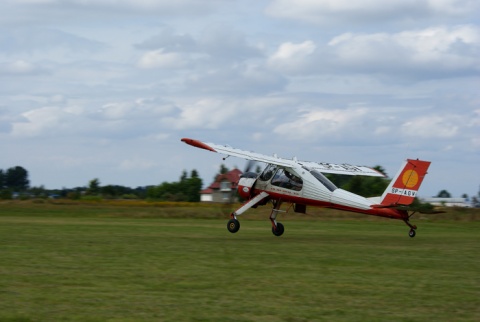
point(245, 187)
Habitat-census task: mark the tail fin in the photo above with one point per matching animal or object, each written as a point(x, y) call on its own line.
point(403, 189)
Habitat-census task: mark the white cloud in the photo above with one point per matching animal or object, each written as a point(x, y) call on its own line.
point(136, 164)
point(20, 67)
point(332, 123)
point(160, 59)
point(205, 114)
point(38, 121)
point(368, 12)
point(291, 56)
point(425, 53)
point(432, 126)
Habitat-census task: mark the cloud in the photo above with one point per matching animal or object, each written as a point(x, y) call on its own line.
point(338, 12)
point(161, 59)
point(291, 56)
point(146, 6)
point(170, 41)
point(237, 80)
point(27, 39)
point(432, 126)
point(20, 67)
point(205, 114)
point(142, 117)
point(322, 123)
point(136, 164)
point(41, 121)
point(415, 54)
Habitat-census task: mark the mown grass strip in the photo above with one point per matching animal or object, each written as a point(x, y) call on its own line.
point(109, 263)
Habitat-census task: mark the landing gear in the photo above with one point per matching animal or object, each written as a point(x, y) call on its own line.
point(278, 231)
point(412, 233)
point(413, 228)
point(277, 228)
point(233, 225)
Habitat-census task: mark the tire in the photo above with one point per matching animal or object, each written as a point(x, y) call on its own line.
point(279, 229)
point(233, 225)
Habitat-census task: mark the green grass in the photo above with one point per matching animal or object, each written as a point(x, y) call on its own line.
point(98, 262)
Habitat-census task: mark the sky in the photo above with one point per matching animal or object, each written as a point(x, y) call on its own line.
point(107, 88)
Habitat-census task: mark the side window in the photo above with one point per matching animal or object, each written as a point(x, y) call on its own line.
point(267, 174)
point(287, 180)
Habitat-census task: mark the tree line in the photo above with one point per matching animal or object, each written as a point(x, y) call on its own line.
point(14, 183)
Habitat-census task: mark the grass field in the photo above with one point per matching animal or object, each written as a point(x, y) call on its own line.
point(121, 262)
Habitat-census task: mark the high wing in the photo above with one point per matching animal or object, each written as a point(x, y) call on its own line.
point(323, 167)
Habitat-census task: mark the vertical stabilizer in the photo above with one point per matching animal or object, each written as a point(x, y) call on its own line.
point(403, 189)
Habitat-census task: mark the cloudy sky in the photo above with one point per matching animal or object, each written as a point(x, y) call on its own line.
point(107, 88)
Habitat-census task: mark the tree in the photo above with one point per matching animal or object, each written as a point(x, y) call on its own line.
point(2, 179)
point(93, 187)
point(194, 186)
point(184, 176)
point(16, 179)
point(444, 194)
point(187, 189)
point(223, 169)
point(361, 185)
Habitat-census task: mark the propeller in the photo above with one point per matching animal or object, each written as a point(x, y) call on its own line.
point(248, 171)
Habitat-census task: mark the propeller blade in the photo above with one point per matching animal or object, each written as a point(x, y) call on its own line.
point(249, 166)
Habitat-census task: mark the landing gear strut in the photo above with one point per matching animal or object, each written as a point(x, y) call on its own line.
point(413, 228)
point(277, 228)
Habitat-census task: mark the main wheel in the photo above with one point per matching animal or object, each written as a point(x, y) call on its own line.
point(279, 229)
point(233, 225)
point(412, 233)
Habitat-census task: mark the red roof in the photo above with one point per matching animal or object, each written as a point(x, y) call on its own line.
point(206, 191)
point(231, 176)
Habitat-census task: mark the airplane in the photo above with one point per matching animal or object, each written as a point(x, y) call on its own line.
point(302, 184)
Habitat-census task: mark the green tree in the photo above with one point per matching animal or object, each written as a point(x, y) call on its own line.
point(187, 189)
point(223, 169)
point(93, 187)
point(2, 179)
point(362, 185)
point(194, 186)
point(16, 179)
point(444, 194)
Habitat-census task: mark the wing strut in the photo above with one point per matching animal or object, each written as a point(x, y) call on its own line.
point(252, 202)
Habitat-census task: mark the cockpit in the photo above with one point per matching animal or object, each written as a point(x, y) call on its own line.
point(281, 178)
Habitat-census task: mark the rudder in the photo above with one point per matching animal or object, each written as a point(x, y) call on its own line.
point(403, 189)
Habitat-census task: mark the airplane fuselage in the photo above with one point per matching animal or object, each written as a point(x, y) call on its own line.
point(310, 190)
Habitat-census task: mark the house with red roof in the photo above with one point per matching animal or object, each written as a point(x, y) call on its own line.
point(223, 188)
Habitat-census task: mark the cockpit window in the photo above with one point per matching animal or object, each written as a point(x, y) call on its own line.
point(324, 180)
point(267, 174)
point(287, 180)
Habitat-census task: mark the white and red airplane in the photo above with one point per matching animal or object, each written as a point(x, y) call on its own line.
point(302, 184)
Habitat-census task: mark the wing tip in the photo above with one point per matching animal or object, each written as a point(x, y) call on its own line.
point(198, 144)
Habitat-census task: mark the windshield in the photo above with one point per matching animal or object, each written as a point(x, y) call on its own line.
point(324, 180)
point(267, 174)
point(287, 180)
